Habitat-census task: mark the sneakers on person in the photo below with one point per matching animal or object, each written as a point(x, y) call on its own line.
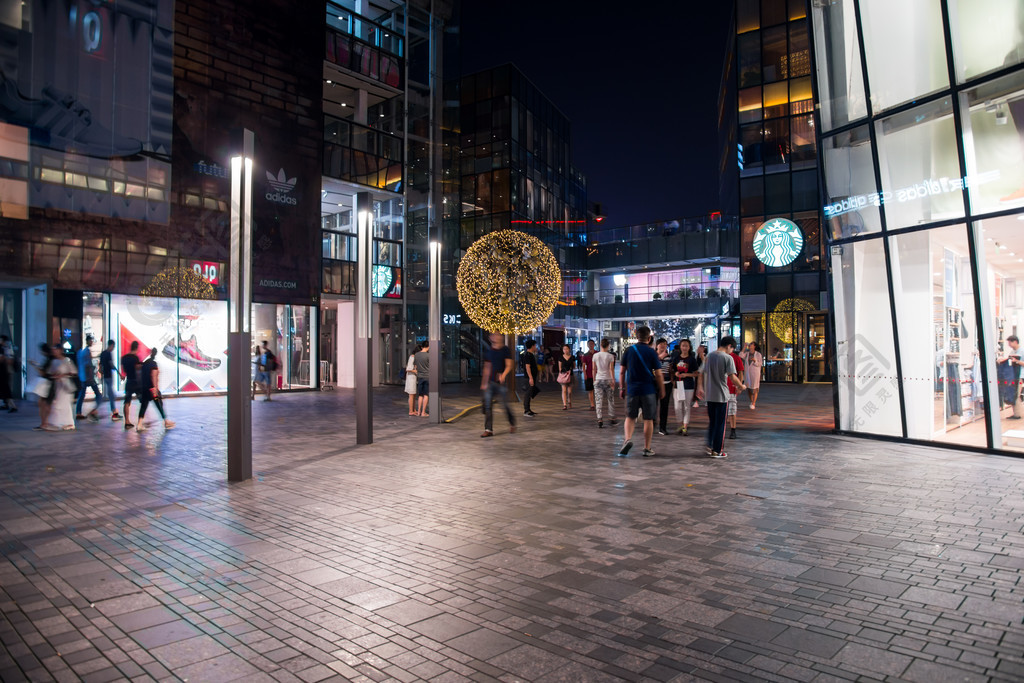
point(732, 434)
point(168, 424)
point(708, 450)
point(613, 422)
point(600, 424)
point(662, 432)
point(79, 417)
point(527, 414)
point(625, 448)
point(128, 425)
point(93, 417)
point(648, 452)
point(512, 429)
point(717, 454)
point(115, 417)
point(753, 407)
point(487, 433)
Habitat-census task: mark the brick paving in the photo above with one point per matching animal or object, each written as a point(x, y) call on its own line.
point(436, 555)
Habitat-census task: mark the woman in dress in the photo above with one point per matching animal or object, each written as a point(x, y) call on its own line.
point(410, 379)
point(752, 364)
point(60, 371)
point(566, 364)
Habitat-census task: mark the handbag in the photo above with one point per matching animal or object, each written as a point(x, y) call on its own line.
point(40, 387)
point(565, 377)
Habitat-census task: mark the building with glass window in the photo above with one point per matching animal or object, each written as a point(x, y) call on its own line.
point(921, 132)
point(769, 177)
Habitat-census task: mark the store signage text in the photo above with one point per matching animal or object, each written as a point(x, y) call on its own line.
point(279, 284)
point(207, 270)
point(925, 188)
point(452, 318)
point(778, 242)
point(215, 170)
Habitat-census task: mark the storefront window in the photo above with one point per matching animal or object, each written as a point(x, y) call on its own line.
point(937, 322)
point(994, 143)
point(907, 33)
point(1001, 245)
point(920, 172)
point(865, 353)
point(851, 195)
point(987, 35)
point(840, 78)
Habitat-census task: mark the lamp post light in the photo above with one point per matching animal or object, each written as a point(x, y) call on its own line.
point(240, 315)
point(363, 207)
point(434, 331)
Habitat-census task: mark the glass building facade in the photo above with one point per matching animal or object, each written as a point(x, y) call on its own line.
point(769, 168)
point(922, 146)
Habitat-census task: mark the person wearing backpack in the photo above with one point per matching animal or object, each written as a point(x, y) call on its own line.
point(266, 369)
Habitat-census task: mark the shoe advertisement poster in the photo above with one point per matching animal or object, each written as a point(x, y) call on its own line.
point(88, 85)
point(190, 337)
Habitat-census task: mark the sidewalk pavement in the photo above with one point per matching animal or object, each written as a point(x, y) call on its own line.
point(433, 554)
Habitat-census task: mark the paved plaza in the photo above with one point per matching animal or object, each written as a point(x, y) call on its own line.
point(436, 555)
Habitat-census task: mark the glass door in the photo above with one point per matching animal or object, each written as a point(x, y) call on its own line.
point(817, 357)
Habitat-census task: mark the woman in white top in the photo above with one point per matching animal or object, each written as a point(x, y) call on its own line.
point(410, 379)
point(753, 361)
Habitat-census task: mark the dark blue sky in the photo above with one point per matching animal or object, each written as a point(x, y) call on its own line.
point(641, 90)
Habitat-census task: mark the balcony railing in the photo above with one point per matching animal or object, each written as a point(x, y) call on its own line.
point(699, 290)
point(359, 154)
point(380, 32)
point(365, 47)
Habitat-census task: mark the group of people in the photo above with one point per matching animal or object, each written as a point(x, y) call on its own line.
point(651, 379)
point(56, 386)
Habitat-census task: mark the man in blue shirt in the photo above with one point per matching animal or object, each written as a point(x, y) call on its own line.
point(642, 387)
point(497, 366)
point(86, 379)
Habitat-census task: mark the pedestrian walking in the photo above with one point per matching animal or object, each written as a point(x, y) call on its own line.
point(410, 379)
point(87, 379)
point(702, 354)
point(712, 386)
point(61, 411)
point(131, 373)
point(151, 392)
point(566, 364)
point(497, 366)
point(642, 387)
point(588, 372)
point(734, 391)
point(8, 368)
point(265, 370)
point(422, 364)
point(531, 378)
point(107, 377)
point(45, 385)
point(604, 384)
point(665, 358)
point(685, 372)
point(753, 362)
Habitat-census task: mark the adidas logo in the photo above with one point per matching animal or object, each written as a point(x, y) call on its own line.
point(283, 185)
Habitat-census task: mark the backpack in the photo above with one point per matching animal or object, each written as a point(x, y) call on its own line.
point(271, 364)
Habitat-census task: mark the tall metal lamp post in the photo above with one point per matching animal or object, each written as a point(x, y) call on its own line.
point(434, 331)
point(240, 315)
point(364, 317)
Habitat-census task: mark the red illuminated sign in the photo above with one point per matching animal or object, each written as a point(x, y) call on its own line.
point(207, 270)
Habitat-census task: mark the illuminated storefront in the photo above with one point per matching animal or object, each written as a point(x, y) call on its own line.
point(922, 145)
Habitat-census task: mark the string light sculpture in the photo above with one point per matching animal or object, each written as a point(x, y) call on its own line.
point(783, 316)
point(509, 282)
point(181, 282)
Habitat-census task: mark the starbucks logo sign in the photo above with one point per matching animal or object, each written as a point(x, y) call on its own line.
point(778, 242)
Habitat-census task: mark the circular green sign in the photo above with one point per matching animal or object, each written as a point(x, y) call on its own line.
point(778, 242)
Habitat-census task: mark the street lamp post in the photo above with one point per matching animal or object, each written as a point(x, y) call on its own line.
point(240, 315)
point(364, 316)
point(434, 331)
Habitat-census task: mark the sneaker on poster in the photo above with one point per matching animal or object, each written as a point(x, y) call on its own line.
point(188, 352)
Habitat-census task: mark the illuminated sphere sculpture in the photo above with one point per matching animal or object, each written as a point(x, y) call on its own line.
point(179, 281)
point(509, 282)
point(782, 318)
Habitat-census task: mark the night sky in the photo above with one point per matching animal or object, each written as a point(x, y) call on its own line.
point(640, 88)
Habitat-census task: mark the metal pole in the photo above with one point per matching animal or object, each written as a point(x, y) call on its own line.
point(240, 313)
point(435, 332)
point(364, 317)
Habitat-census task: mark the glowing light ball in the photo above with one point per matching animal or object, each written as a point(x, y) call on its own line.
point(509, 282)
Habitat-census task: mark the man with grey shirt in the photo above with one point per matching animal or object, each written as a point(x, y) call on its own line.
point(712, 385)
point(422, 363)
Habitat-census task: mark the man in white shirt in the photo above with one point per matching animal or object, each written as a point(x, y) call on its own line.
point(604, 383)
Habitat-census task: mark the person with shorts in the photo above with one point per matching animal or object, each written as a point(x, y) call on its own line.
point(422, 362)
point(131, 373)
point(588, 372)
point(642, 387)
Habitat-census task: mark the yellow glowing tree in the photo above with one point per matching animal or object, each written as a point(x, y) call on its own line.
point(509, 282)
